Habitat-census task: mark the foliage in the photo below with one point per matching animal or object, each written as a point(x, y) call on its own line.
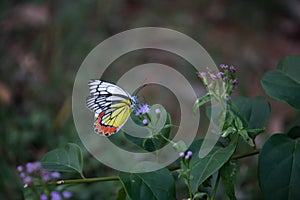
point(44, 42)
point(279, 159)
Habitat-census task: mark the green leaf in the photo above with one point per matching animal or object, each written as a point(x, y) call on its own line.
point(228, 174)
point(200, 195)
point(228, 131)
point(66, 159)
point(217, 115)
point(294, 133)
point(158, 121)
point(158, 141)
point(155, 185)
point(201, 101)
point(246, 137)
point(160, 124)
point(180, 146)
point(279, 168)
point(238, 123)
point(283, 84)
point(255, 112)
point(205, 167)
point(121, 194)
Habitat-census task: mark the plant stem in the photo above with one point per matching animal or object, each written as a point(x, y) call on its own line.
point(168, 140)
point(189, 181)
point(90, 180)
point(236, 157)
point(77, 181)
point(215, 188)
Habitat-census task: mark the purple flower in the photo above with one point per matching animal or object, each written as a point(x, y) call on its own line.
point(145, 121)
point(235, 82)
point(189, 153)
point(46, 176)
point(55, 175)
point(232, 68)
point(221, 74)
point(143, 109)
point(43, 197)
point(27, 180)
point(223, 66)
point(67, 194)
point(212, 76)
point(181, 154)
point(55, 195)
point(20, 168)
point(157, 110)
point(201, 74)
point(31, 167)
point(23, 175)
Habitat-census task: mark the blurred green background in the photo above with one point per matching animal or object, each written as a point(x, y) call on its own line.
point(43, 43)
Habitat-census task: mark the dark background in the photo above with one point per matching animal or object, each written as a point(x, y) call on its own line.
point(44, 42)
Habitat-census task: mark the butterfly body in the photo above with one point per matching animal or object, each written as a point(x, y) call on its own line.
point(112, 106)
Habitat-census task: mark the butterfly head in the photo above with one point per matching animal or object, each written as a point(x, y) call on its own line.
point(133, 101)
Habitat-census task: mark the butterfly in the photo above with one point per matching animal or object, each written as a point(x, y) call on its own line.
point(111, 104)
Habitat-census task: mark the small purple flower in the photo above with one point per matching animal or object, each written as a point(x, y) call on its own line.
point(201, 74)
point(23, 175)
point(181, 154)
point(232, 68)
point(55, 195)
point(32, 167)
point(189, 153)
point(29, 167)
point(235, 82)
point(220, 74)
point(27, 180)
point(143, 109)
point(223, 66)
point(20, 168)
point(67, 194)
point(55, 175)
point(145, 121)
point(157, 110)
point(37, 165)
point(46, 176)
point(43, 197)
point(212, 76)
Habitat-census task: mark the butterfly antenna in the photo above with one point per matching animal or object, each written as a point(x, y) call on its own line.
point(139, 89)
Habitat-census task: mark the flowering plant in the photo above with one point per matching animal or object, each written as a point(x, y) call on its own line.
point(34, 174)
point(236, 118)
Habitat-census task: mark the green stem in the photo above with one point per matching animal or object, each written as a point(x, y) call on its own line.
point(90, 180)
point(236, 157)
point(167, 139)
point(215, 188)
point(78, 181)
point(189, 180)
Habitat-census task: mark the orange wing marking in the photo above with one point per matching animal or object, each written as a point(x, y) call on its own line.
point(103, 129)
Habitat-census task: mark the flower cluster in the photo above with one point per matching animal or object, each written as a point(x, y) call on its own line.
point(33, 170)
point(187, 155)
point(143, 109)
point(222, 83)
point(55, 195)
point(34, 173)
